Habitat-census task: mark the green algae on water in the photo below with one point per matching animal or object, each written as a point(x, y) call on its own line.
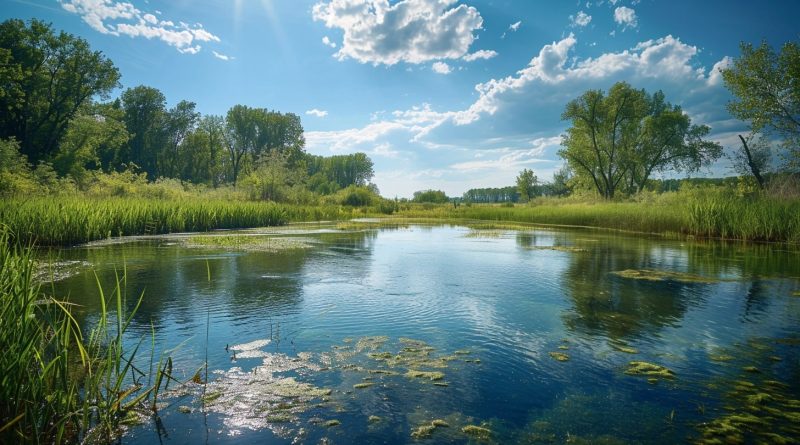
point(560, 356)
point(430, 375)
point(374, 419)
point(477, 432)
point(363, 385)
point(663, 275)
point(332, 422)
point(646, 369)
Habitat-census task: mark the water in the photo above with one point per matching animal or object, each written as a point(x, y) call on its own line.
point(486, 308)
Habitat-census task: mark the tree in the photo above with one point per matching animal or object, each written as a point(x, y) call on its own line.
point(753, 159)
point(526, 183)
point(241, 137)
point(145, 109)
point(767, 90)
point(561, 178)
point(92, 133)
point(618, 140)
point(178, 123)
point(44, 80)
point(432, 196)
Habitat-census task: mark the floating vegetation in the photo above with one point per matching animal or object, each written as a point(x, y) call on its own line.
point(649, 370)
point(332, 422)
point(751, 369)
point(426, 430)
point(248, 242)
point(356, 225)
point(442, 384)
point(374, 419)
point(477, 432)
point(663, 275)
point(625, 349)
point(720, 357)
point(796, 293)
point(184, 409)
point(429, 375)
point(472, 360)
point(462, 352)
point(363, 385)
point(53, 271)
point(573, 249)
point(489, 233)
point(560, 356)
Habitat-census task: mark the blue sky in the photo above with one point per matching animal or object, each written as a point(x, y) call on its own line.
point(442, 94)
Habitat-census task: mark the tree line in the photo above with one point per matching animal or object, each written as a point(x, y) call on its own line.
point(57, 114)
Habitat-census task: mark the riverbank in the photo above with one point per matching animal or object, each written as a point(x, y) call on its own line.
point(707, 213)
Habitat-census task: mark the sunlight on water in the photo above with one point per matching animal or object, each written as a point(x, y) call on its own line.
point(415, 333)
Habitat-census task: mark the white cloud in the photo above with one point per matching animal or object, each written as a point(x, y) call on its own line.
point(512, 28)
point(123, 18)
point(580, 19)
point(441, 68)
point(222, 56)
point(482, 54)
point(519, 115)
point(412, 31)
point(626, 17)
point(316, 112)
point(327, 42)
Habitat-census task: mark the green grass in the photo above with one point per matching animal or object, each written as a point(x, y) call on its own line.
point(707, 213)
point(70, 220)
point(55, 385)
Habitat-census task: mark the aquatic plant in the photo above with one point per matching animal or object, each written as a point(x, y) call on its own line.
point(640, 368)
point(560, 356)
point(477, 432)
point(56, 385)
point(663, 275)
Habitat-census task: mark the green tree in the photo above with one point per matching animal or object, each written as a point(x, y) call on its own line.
point(92, 133)
point(432, 196)
point(526, 183)
point(618, 140)
point(145, 110)
point(241, 137)
point(766, 86)
point(178, 123)
point(45, 78)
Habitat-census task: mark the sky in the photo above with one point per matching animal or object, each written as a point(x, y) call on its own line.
point(441, 94)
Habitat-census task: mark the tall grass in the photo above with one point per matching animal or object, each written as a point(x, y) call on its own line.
point(72, 220)
point(55, 385)
point(707, 212)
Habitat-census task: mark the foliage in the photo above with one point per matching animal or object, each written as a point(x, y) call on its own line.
point(58, 386)
point(46, 78)
point(430, 196)
point(618, 140)
point(766, 85)
point(526, 184)
point(339, 171)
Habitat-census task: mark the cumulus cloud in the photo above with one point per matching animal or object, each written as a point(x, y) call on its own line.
point(477, 55)
point(626, 17)
point(441, 68)
point(222, 56)
point(316, 112)
point(119, 18)
point(580, 19)
point(411, 31)
point(454, 144)
point(328, 42)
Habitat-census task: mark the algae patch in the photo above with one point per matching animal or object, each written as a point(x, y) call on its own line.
point(646, 369)
point(477, 432)
point(248, 242)
point(663, 275)
point(560, 356)
point(429, 375)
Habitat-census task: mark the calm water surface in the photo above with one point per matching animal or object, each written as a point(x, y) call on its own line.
point(485, 308)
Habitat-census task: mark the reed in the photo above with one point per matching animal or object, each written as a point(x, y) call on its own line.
point(70, 220)
point(57, 386)
point(707, 213)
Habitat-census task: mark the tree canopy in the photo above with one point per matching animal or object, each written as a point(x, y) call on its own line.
point(45, 79)
point(766, 86)
point(619, 139)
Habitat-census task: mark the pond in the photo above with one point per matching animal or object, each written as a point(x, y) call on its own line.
point(374, 333)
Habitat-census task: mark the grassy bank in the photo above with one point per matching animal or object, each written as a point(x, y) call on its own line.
point(57, 385)
point(710, 213)
point(69, 220)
